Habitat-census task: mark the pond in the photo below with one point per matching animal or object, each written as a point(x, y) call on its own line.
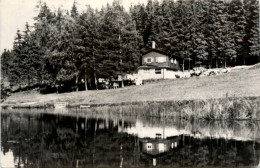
point(76, 138)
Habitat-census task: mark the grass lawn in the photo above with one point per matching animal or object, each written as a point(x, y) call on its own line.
point(237, 83)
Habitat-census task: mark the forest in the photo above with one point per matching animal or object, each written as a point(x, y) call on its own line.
point(75, 48)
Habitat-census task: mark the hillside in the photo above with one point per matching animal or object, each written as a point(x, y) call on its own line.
point(237, 83)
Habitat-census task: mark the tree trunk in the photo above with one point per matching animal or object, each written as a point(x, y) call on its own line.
point(189, 64)
point(195, 61)
point(57, 88)
point(225, 62)
point(77, 78)
point(216, 62)
point(20, 86)
point(86, 82)
point(28, 82)
point(183, 65)
point(95, 78)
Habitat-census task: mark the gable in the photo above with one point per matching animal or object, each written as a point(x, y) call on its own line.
point(154, 57)
point(154, 54)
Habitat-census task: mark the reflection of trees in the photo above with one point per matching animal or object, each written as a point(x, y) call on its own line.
point(58, 141)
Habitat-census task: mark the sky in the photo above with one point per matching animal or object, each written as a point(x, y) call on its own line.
point(15, 13)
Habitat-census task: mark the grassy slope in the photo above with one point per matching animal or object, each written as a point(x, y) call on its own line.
point(237, 83)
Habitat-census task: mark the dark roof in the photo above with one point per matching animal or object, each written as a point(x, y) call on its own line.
point(147, 67)
point(156, 50)
point(154, 67)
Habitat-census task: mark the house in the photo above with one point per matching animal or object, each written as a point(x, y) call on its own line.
point(157, 64)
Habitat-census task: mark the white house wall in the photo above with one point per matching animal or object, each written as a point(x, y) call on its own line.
point(169, 74)
point(150, 74)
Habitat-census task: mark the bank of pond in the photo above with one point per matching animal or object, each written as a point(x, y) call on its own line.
point(235, 108)
point(79, 138)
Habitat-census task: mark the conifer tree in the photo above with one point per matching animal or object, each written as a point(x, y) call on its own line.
point(237, 17)
point(6, 62)
point(16, 66)
point(44, 36)
point(63, 55)
point(251, 40)
point(88, 34)
point(129, 44)
point(74, 10)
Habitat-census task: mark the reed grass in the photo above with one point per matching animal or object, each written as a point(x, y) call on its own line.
point(211, 109)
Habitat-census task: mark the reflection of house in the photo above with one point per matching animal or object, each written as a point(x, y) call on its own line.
point(157, 64)
point(157, 147)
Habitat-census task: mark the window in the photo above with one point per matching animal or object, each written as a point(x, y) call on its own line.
point(158, 71)
point(174, 145)
point(174, 61)
point(149, 59)
point(161, 59)
point(149, 146)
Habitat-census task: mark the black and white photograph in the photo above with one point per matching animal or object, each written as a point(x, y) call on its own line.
point(130, 83)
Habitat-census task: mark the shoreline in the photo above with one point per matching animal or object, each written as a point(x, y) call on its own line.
point(77, 105)
point(238, 108)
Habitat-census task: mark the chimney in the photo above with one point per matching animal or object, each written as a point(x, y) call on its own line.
point(153, 44)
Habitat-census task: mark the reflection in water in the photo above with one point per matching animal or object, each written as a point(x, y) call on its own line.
point(102, 140)
point(156, 147)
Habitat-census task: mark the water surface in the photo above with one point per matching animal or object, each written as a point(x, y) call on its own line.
point(74, 138)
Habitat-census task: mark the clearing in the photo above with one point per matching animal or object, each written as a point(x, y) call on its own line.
point(237, 83)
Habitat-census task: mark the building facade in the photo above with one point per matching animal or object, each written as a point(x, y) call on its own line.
point(157, 64)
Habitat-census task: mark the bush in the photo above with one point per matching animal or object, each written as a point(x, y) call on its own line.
point(5, 92)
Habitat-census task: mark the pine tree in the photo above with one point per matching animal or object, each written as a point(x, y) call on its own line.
point(35, 60)
point(44, 39)
point(237, 17)
point(139, 16)
point(181, 25)
point(74, 10)
point(251, 40)
point(224, 42)
point(16, 66)
point(196, 43)
point(6, 61)
point(62, 55)
point(129, 44)
point(109, 51)
point(167, 26)
point(87, 45)
point(26, 61)
point(230, 52)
